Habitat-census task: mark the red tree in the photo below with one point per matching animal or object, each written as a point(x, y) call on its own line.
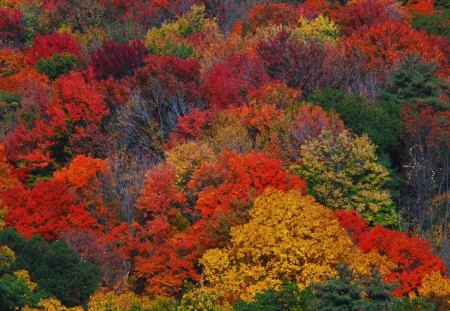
point(228, 83)
point(118, 59)
point(47, 209)
point(55, 43)
point(411, 256)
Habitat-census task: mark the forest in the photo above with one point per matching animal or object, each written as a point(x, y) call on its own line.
point(176, 155)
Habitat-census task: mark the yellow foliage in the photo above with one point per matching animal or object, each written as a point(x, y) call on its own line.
point(343, 173)
point(51, 304)
point(436, 289)
point(172, 38)
point(25, 277)
point(289, 237)
point(186, 158)
point(321, 29)
point(204, 299)
point(101, 301)
point(228, 134)
point(7, 257)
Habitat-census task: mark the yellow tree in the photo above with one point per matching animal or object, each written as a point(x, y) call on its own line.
point(321, 29)
point(343, 172)
point(290, 237)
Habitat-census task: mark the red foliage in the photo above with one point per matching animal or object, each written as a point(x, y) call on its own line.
point(77, 110)
point(424, 125)
point(190, 126)
point(383, 45)
point(310, 121)
point(55, 43)
point(308, 66)
point(118, 59)
point(365, 13)
point(159, 194)
point(11, 28)
point(47, 209)
point(228, 83)
point(421, 6)
point(163, 259)
point(237, 180)
point(313, 8)
point(269, 14)
point(411, 256)
point(69, 122)
point(172, 76)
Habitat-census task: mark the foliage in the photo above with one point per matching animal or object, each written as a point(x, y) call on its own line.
point(342, 172)
point(174, 38)
point(435, 24)
point(45, 46)
point(56, 65)
point(347, 292)
point(117, 60)
point(72, 281)
point(436, 288)
point(415, 80)
point(288, 297)
point(411, 256)
point(289, 237)
point(321, 29)
point(380, 120)
point(204, 299)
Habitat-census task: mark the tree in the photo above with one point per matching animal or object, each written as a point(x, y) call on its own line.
point(288, 297)
point(71, 281)
point(228, 83)
point(342, 172)
point(12, 32)
point(56, 65)
point(55, 43)
point(380, 120)
point(237, 180)
point(309, 66)
point(321, 29)
point(436, 288)
point(289, 237)
point(425, 133)
point(117, 59)
point(412, 257)
point(47, 209)
point(363, 14)
point(348, 292)
point(415, 80)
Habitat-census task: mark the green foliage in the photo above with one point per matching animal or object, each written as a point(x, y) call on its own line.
point(56, 267)
point(379, 120)
point(349, 293)
point(15, 293)
point(436, 24)
point(56, 65)
point(288, 297)
point(415, 80)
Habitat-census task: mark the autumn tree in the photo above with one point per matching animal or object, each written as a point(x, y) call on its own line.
point(278, 245)
point(342, 172)
point(117, 59)
point(411, 256)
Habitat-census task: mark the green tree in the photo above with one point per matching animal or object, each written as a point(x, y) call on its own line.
point(380, 120)
point(415, 81)
point(289, 298)
point(55, 267)
point(56, 65)
point(348, 292)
